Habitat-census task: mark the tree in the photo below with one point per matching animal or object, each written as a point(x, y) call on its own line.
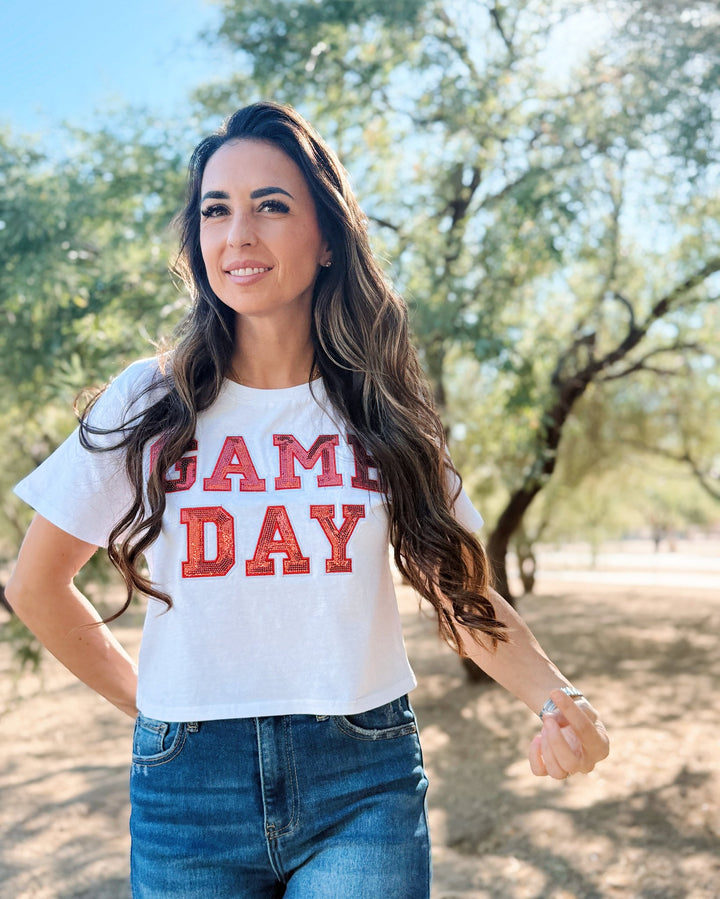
point(686, 423)
point(553, 228)
point(84, 288)
point(557, 228)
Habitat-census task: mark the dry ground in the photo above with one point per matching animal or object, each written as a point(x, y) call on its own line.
point(645, 824)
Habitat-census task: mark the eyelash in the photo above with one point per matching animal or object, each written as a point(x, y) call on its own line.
point(270, 205)
point(275, 206)
point(211, 211)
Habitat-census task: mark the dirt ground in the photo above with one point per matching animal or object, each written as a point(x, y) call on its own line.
point(645, 824)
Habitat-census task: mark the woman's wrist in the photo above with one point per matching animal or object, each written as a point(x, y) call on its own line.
point(549, 707)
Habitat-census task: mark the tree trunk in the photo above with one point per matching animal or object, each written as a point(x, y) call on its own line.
point(497, 549)
point(526, 559)
point(567, 393)
point(499, 541)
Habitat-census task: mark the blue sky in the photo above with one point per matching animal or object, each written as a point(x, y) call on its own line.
point(73, 60)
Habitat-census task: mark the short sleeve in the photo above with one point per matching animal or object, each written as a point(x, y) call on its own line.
point(86, 493)
point(465, 512)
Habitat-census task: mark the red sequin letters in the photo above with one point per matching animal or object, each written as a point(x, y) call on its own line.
point(185, 466)
point(363, 464)
point(290, 449)
point(234, 448)
point(277, 522)
point(338, 537)
point(197, 564)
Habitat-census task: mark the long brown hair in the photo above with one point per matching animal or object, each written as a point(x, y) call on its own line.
point(371, 375)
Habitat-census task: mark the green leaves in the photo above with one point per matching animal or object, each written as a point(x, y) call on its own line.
point(84, 283)
point(552, 228)
point(551, 225)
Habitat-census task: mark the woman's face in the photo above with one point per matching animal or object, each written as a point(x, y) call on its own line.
point(259, 235)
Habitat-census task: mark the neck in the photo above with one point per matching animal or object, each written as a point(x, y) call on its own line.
point(269, 358)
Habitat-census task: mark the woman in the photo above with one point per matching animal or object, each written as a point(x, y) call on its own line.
point(260, 468)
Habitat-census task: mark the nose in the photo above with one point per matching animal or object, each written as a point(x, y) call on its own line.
point(241, 232)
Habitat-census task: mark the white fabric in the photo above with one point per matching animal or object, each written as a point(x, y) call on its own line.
point(243, 637)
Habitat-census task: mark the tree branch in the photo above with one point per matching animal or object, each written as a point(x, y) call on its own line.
point(567, 390)
point(636, 332)
point(459, 46)
point(641, 364)
point(616, 295)
point(664, 304)
point(458, 206)
point(587, 340)
point(655, 369)
point(384, 223)
point(497, 21)
point(494, 199)
point(704, 478)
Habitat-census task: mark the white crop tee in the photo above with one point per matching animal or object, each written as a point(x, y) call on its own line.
point(274, 549)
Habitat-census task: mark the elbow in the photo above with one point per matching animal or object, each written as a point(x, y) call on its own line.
point(4, 601)
point(18, 593)
point(11, 595)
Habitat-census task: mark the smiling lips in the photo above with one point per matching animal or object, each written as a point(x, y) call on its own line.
point(247, 271)
point(242, 272)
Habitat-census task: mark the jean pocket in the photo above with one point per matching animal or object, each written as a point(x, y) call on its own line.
point(394, 719)
point(157, 742)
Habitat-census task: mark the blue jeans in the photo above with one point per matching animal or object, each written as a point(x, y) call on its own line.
point(318, 807)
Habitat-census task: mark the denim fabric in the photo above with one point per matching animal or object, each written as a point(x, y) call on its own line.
point(301, 806)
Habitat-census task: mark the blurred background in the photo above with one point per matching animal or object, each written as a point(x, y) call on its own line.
point(541, 179)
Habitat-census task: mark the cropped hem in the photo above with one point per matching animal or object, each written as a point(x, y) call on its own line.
point(263, 708)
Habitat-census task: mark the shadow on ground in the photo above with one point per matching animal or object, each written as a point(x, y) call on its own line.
point(644, 825)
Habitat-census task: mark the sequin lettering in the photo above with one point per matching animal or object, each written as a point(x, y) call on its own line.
point(277, 536)
point(234, 459)
point(363, 464)
point(290, 450)
point(338, 537)
point(277, 522)
point(198, 565)
point(186, 467)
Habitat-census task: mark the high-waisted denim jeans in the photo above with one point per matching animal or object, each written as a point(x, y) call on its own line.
point(318, 807)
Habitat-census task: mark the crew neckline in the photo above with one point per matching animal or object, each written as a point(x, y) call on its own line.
point(273, 394)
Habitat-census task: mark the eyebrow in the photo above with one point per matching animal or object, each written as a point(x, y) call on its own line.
point(255, 195)
point(215, 195)
point(265, 191)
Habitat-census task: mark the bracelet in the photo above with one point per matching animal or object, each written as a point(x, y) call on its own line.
point(550, 706)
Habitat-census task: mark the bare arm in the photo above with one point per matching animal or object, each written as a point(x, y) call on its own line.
point(42, 593)
point(573, 739)
point(520, 665)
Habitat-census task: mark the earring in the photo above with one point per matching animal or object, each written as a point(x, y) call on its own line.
point(327, 264)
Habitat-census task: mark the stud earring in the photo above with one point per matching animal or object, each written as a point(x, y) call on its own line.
point(327, 264)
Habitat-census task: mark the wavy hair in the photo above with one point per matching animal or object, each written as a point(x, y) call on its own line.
point(371, 373)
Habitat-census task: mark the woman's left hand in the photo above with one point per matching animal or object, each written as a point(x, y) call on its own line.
point(573, 739)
